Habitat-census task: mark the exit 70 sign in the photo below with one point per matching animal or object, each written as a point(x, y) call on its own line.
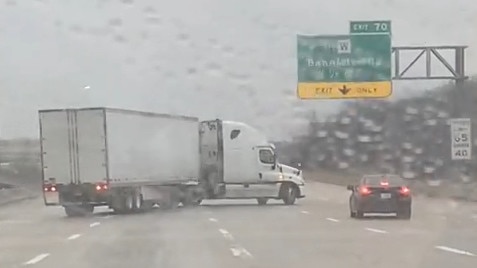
point(370, 27)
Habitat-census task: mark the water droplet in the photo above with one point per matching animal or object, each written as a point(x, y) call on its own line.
point(76, 29)
point(119, 39)
point(191, 70)
point(130, 61)
point(145, 35)
point(11, 3)
point(115, 22)
point(153, 20)
point(213, 68)
point(149, 10)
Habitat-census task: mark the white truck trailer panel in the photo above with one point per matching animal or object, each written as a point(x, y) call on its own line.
point(151, 149)
point(92, 145)
point(55, 145)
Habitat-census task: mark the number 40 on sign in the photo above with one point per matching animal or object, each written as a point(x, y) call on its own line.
point(461, 138)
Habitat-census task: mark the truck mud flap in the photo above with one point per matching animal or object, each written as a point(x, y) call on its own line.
point(51, 198)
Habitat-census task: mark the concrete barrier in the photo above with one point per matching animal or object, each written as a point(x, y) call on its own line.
point(8, 196)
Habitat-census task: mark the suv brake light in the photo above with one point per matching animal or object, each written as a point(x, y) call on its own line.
point(364, 190)
point(404, 191)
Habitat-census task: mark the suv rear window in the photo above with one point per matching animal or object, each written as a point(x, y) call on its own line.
point(375, 180)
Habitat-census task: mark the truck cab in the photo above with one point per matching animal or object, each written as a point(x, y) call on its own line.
point(238, 162)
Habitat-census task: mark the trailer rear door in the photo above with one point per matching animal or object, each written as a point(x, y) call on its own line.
point(91, 140)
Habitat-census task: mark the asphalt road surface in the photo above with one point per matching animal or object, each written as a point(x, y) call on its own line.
point(317, 232)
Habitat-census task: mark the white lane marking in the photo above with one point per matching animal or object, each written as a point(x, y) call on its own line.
point(226, 234)
point(72, 237)
point(239, 251)
point(305, 212)
point(376, 230)
point(37, 259)
point(454, 250)
point(213, 220)
point(332, 219)
point(107, 216)
point(94, 224)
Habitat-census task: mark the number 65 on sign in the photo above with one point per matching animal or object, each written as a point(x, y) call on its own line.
point(461, 139)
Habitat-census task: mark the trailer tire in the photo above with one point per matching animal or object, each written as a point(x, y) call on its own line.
point(190, 199)
point(129, 202)
point(138, 202)
point(170, 201)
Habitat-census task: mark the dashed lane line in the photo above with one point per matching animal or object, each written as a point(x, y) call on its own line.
point(226, 234)
point(94, 224)
point(213, 220)
point(239, 251)
point(305, 212)
point(456, 251)
point(332, 219)
point(37, 259)
point(73, 237)
point(379, 231)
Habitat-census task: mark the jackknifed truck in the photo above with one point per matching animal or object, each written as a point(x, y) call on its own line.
point(131, 161)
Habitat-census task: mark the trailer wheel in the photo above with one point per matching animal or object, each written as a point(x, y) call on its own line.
point(170, 201)
point(189, 198)
point(129, 203)
point(138, 202)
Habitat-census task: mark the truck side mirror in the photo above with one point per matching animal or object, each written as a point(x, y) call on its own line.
point(350, 187)
point(274, 165)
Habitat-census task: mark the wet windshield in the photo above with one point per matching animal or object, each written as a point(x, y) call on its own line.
point(135, 133)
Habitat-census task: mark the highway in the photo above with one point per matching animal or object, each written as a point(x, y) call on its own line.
point(317, 232)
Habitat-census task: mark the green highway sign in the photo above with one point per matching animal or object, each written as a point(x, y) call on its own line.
point(344, 66)
point(370, 27)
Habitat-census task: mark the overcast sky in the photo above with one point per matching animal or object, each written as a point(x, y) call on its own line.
point(231, 59)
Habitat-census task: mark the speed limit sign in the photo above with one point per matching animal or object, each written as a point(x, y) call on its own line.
point(461, 138)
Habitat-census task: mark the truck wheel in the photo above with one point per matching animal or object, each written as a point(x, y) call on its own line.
point(262, 201)
point(289, 193)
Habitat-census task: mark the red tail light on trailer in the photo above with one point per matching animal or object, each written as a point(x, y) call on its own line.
point(102, 187)
point(49, 188)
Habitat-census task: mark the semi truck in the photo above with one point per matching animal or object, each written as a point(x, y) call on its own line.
point(131, 161)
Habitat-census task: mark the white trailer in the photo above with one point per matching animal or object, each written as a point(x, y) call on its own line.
point(127, 160)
